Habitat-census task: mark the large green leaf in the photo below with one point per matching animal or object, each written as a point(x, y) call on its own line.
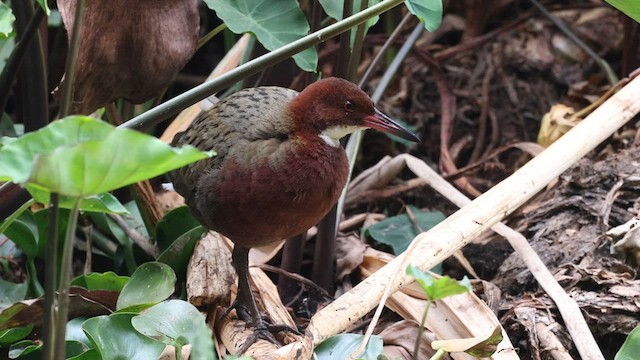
point(274, 23)
point(428, 11)
point(177, 323)
point(6, 21)
point(150, 284)
point(630, 7)
point(80, 156)
point(339, 346)
point(115, 338)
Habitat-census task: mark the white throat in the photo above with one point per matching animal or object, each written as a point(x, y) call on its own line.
point(333, 134)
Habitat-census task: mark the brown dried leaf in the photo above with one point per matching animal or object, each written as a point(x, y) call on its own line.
point(349, 254)
point(129, 49)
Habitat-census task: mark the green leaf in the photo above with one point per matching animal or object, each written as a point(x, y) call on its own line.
point(338, 346)
point(75, 333)
point(108, 281)
point(7, 128)
point(629, 7)
point(80, 156)
point(177, 323)
point(43, 4)
point(178, 254)
point(398, 231)
point(115, 338)
point(274, 23)
point(91, 354)
point(150, 284)
point(173, 225)
point(11, 293)
point(335, 8)
point(102, 203)
point(10, 336)
point(6, 21)
point(437, 289)
point(428, 11)
point(631, 347)
point(22, 348)
point(23, 231)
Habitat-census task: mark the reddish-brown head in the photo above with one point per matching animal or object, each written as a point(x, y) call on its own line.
point(333, 108)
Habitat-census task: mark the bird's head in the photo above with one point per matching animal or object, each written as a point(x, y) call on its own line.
point(334, 107)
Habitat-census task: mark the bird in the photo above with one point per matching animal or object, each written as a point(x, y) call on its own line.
point(278, 171)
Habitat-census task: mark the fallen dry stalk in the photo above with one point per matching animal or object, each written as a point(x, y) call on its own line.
point(434, 246)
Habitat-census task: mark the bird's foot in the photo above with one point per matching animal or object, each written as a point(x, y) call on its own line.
point(263, 330)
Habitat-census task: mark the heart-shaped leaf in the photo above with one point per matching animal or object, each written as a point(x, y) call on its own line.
point(150, 284)
point(81, 156)
point(274, 23)
point(115, 338)
point(177, 323)
point(428, 11)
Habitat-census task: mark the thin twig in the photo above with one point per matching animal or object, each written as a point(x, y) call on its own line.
point(603, 64)
point(134, 235)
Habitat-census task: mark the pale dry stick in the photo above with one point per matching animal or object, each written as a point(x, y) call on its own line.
point(577, 326)
point(485, 211)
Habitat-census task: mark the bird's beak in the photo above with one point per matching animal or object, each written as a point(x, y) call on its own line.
point(382, 122)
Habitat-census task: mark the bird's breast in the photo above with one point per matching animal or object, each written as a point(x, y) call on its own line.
point(263, 194)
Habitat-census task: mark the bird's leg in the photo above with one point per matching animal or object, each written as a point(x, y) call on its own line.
point(245, 303)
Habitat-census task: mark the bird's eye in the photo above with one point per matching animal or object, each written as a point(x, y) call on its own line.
point(348, 105)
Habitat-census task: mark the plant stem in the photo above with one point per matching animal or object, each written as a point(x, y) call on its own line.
point(438, 355)
point(34, 285)
point(602, 63)
point(51, 269)
point(175, 105)
point(65, 281)
point(416, 348)
point(210, 35)
point(69, 70)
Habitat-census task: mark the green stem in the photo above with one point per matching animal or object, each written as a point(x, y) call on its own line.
point(416, 349)
point(175, 105)
point(210, 35)
point(5, 224)
point(34, 284)
point(438, 355)
point(51, 269)
point(69, 71)
point(65, 281)
point(356, 51)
